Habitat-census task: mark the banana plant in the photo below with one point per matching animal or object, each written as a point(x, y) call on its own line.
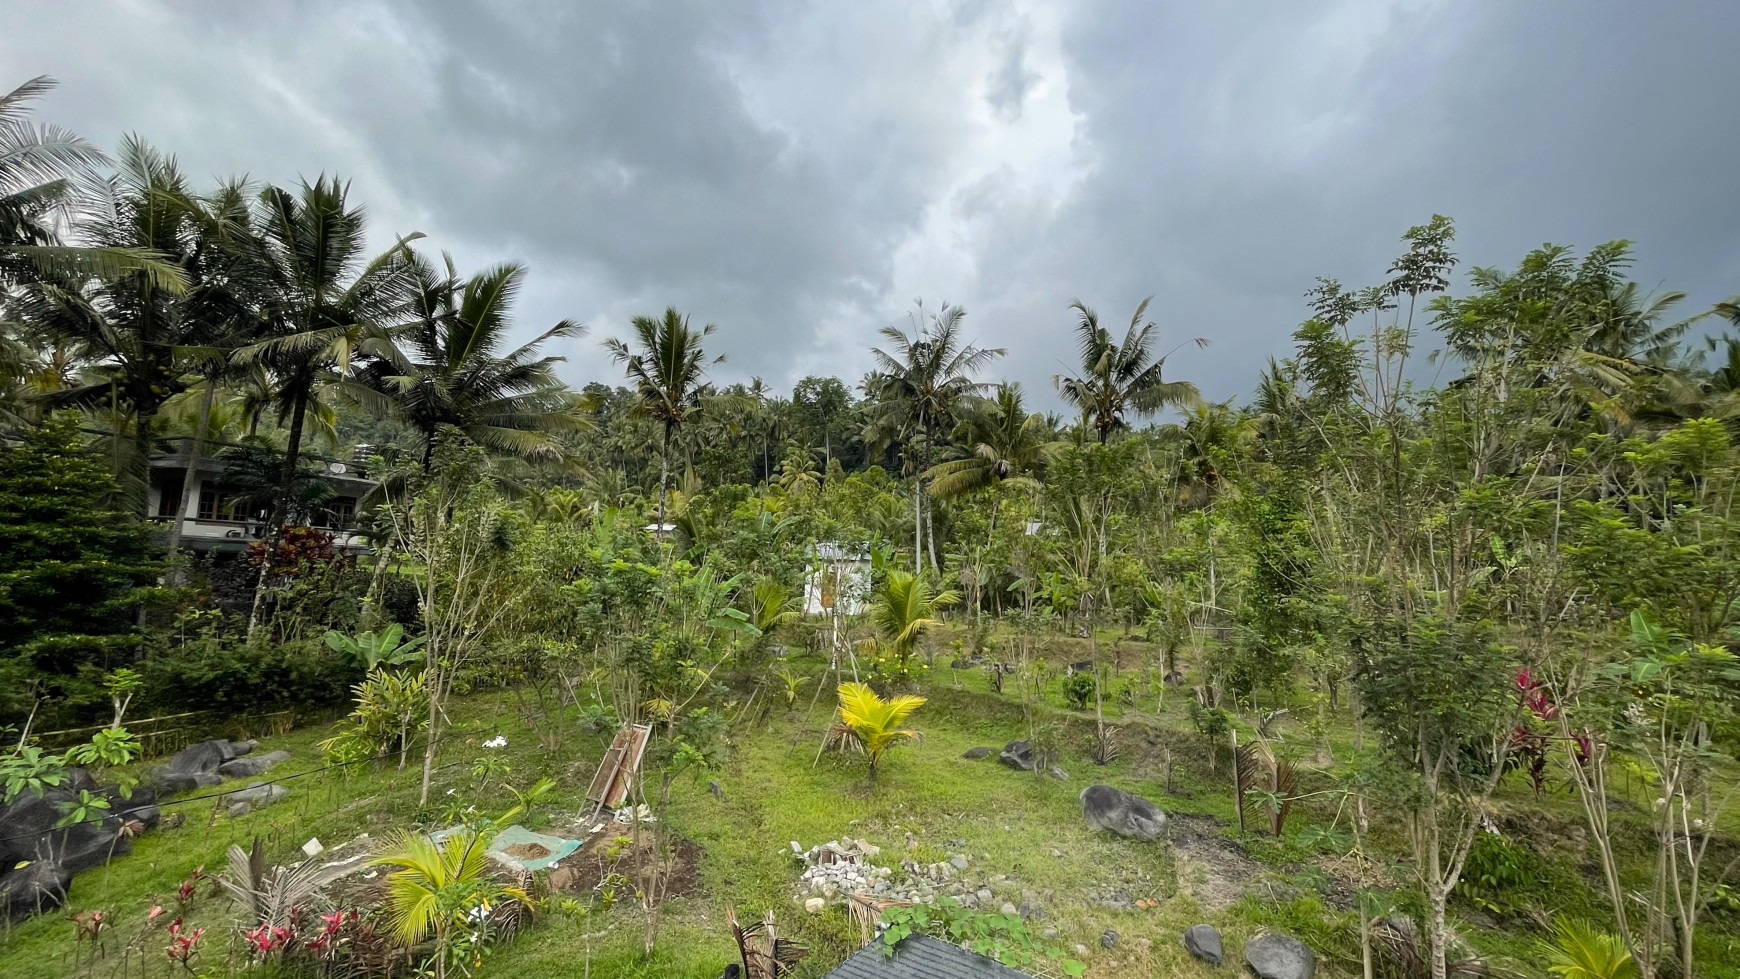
point(368, 650)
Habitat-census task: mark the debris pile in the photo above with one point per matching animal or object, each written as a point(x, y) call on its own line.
point(839, 868)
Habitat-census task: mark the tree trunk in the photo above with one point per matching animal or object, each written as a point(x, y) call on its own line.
point(664, 480)
point(280, 500)
point(930, 533)
point(433, 660)
point(143, 417)
point(191, 474)
point(292, 455)
point(917, 526)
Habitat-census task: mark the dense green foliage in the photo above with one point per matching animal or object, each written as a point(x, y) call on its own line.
point(71, 571)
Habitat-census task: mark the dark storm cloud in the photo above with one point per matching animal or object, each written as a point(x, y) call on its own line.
point(799, 172)
point(1239, 156)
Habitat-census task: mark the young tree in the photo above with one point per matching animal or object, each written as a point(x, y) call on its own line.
point(451, 522)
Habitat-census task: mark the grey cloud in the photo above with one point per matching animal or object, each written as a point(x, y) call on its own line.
point(796, 172)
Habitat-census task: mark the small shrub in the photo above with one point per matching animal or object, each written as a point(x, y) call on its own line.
point(1078, 690)
point(225, 674)
point(1003, 937)
point(1498, 874)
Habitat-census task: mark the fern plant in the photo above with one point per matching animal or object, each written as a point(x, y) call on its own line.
point(871, 724)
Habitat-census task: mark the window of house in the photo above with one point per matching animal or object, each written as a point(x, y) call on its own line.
point(217, 505)
point(343, 511)
point(169, 494)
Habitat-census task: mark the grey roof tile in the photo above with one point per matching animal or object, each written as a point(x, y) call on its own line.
point(922, 957)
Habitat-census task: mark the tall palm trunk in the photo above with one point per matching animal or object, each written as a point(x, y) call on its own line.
point(190, 474)
point(144, 416)
point(664, 481)
point(918, 525)
point(286, 476)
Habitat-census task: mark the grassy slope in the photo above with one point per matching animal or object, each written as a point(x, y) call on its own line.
point(1010, 823)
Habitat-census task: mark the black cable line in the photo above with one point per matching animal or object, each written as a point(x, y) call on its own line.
point(493, 728)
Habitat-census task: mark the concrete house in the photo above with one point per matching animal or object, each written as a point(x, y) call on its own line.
point(216, 521)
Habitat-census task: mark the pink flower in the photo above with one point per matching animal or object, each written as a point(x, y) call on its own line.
point(182, 948)
point(267, 939)
point(155, 913)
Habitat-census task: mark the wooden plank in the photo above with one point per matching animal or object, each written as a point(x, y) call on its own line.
point(607, 768)
point(622, 780)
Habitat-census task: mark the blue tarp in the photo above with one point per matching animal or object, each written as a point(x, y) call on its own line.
point(514, 835)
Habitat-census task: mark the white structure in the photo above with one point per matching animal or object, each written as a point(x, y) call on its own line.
point(838, 582)
point(216, 520)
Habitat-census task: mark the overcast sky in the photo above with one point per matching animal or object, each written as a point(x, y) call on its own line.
point(799, 173)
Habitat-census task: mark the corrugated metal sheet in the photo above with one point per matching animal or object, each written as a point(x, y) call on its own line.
point(922, 957)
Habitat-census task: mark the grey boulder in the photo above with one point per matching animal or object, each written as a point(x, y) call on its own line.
point(1021, 755)
point(1122, 813)
point(252, 765)
point(196, 766)
point(1203, 941)
point(259, 794)
point(1279, 957)
point(37, 886)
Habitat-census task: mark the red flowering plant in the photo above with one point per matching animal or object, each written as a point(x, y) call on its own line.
point(90, 924)
point(337, 928)
point(1530, 741)
point(183, 944)
point(294, 550)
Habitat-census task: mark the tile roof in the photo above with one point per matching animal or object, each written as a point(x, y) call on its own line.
point(922, 957)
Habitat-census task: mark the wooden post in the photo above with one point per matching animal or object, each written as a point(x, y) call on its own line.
point(1238, 784)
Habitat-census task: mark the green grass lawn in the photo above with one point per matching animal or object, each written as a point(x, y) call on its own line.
point(927, 803)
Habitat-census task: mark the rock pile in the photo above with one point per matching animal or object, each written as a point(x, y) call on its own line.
point(842, 867)
point(198, 765)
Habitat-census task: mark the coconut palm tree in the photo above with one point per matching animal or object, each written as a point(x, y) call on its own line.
point(443, 369)
point(134, 333)
point(1120, 378)
point(328, 301)
point(872, 725)
point(997, 442)
point(666, 365)
point(920, 386)
point(48, 178)
point(798, 472)
point(1208, 437)
point(904, 609)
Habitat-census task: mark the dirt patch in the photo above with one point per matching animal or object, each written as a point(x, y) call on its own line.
point(1211, 868)
point(527, 851)
point(606, 854)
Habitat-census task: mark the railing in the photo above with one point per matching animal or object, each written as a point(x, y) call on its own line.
point(172, 732)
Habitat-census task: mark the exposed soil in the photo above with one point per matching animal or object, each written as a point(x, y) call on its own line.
point(527, 851)
point(1211, 868)
point(600, 856)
